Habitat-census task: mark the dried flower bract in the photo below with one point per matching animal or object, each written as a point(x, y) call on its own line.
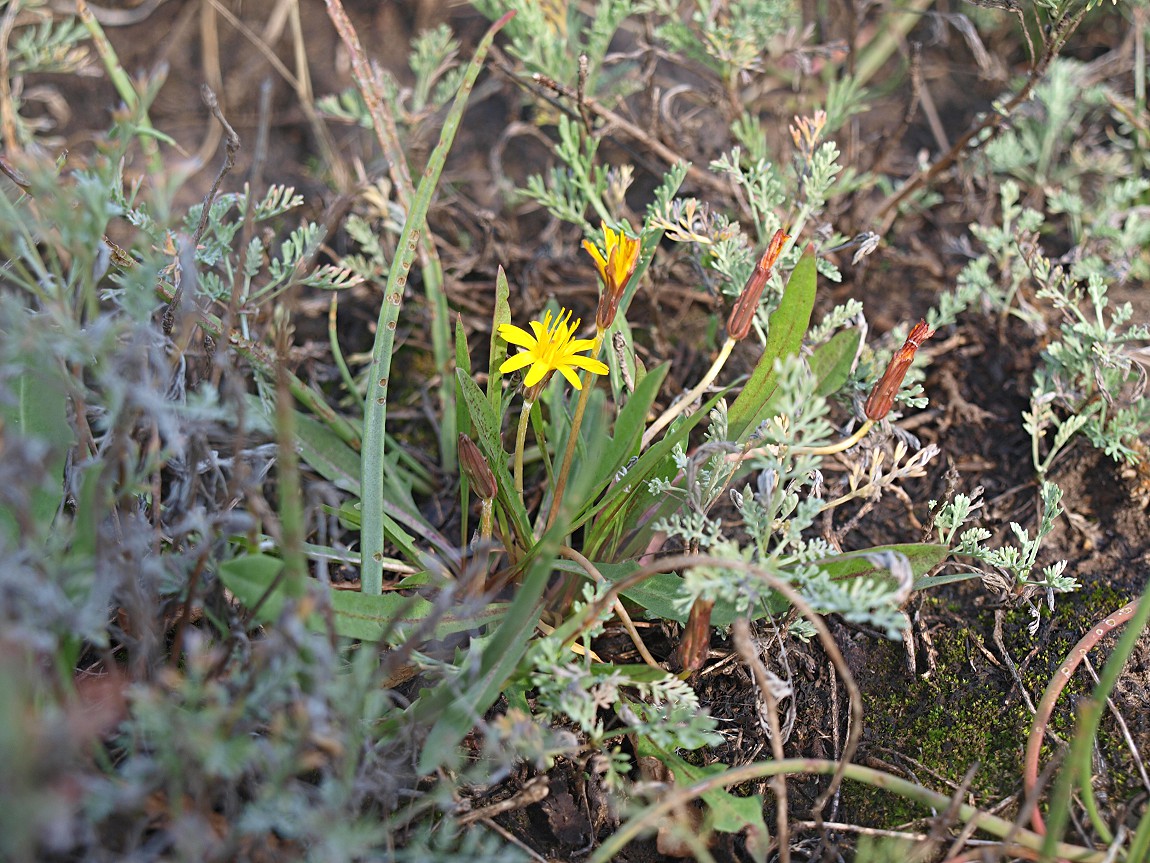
point(743, 314)
point(881, 399)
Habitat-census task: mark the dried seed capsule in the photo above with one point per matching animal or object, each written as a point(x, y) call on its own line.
point(743, 314)
point(881, 398)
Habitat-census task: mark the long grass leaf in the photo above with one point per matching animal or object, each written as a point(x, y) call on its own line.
point(502, 315)
point(375, 406)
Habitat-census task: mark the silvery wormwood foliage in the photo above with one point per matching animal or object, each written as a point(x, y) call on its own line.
point(775, 514)
point(663, 708)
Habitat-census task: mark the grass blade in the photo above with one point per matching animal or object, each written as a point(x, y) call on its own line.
point(375, 406)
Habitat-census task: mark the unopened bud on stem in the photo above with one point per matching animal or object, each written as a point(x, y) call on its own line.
point(476, 469)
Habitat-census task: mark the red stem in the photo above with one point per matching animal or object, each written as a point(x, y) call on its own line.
point(1053, 690)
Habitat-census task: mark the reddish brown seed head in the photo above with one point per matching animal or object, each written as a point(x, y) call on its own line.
point(881, 398)
point(743, 314)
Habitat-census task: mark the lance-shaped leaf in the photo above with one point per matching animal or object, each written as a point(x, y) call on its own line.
point(788, 324)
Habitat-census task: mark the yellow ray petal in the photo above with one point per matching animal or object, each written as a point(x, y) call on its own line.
point(517, 336)
point(515, 363)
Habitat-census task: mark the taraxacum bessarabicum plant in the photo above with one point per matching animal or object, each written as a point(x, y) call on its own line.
point(621, 474)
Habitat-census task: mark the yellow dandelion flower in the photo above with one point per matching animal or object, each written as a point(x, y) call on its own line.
point(552, 348)
point(616, 264)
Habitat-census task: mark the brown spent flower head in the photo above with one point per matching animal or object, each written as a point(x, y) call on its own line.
point(881, 398)
point(476, 469)
point(743, 314)
point(616, 264)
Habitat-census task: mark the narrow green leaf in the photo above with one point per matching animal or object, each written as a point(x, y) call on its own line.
point(327, 454)
point(947, 578)
point(788, 324)
point(462, 426)
point(491, 443)
point(355, 615)
point(482, 418)
point(40, 414)
point(395, 514)
point(370, 618)
point(502, 315)
point(922, 557)
point(831, 362)
point(630, 423)
point(372, 537)
point(645, 467)
point(462, 353)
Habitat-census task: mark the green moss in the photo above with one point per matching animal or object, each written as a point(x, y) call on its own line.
point(945, 722)
point(969, 711)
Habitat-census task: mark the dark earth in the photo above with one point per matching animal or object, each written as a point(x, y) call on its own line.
point(931, 713)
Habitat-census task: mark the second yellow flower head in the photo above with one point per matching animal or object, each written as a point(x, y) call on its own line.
point(616, 264)
point(550, 347)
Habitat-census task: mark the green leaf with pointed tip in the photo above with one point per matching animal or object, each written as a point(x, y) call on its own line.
point(498, 354)
point(389, 616)
point(939, 580)
point(462, 353)
point(831, 362)
point(922, 557)
point(788, 324)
